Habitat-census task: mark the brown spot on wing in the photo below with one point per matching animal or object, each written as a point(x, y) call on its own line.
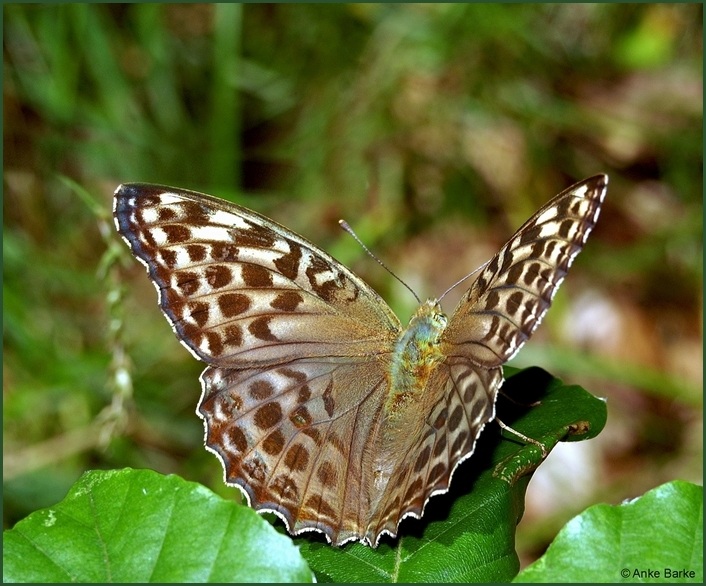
point(532, 273)
point(169, 257)
point(455, 418)
point(238, 439)
point(327, 289)
point(260, 328)
point(176, 233)
point(437, 473)
point(196, 252)
point(327, 397)
point(187, 282)
point(218, 276)
point(320, 507)
point(459, 446)
point(232, 304)
point(297, 458)
point(165, 214)
point(233, 336)
point(287, 301)
point(288, 264)
point(224, 252)
point(215, 345)
point(414, 491)
point(304, 394)
point(295, 375)
point(268, 415)
point(423, 459)
point(441, 418)
point(199, 310)
point(492, 300)
point(195, 213)
point(274, 443)
point(440, 446)
point(256, 276)
point(514, 302)
point(337, 443)
point(260, 390)
point(314, 434)
point(327, 475)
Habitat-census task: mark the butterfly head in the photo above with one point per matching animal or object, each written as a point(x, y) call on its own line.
point(429, 320)
point(420, 339)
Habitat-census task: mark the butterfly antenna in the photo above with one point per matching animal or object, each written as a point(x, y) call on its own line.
point(348, 229)
point(462, 279)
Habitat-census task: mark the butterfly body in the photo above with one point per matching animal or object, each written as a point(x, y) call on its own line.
point(321, 407)
point(417, 353)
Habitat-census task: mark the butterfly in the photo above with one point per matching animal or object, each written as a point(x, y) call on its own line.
point(320, 405)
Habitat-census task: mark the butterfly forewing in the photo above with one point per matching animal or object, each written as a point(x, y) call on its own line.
point(512, 293)
point(239, 289)
point(319, 406)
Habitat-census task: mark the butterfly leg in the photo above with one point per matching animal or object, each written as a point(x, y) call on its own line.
point(523, 437)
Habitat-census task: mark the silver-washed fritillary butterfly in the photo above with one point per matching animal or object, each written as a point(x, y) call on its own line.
point(321, 407)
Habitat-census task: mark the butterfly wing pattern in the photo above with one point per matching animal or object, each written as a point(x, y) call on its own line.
point(320, 406)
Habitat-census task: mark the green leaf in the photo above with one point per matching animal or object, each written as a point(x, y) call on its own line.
point(139, 526)
point(657, 537)
point(468, 535)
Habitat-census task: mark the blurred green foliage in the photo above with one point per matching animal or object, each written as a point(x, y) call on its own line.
point(434, 129)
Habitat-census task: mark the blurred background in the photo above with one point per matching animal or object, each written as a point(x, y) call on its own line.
point(434, 130)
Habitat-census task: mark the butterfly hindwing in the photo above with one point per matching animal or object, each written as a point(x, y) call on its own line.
point(295, 438)
point(465, 402)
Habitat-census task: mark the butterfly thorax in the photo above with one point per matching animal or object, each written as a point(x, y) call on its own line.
point(416, 355)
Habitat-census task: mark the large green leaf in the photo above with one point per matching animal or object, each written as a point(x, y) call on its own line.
point(139, 526)
point(657, 537)
point(468, 535)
